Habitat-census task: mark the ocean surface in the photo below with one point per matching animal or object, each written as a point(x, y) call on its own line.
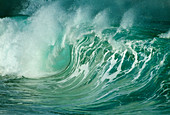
point(101, 57)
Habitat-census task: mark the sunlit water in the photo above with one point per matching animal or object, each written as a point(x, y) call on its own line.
point(59, 59)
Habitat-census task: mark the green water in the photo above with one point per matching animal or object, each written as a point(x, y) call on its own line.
point(75, 57)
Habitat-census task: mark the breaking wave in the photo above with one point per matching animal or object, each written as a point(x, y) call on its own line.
point(82, 57)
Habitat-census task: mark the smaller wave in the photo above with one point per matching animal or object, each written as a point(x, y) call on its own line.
point(165, 35)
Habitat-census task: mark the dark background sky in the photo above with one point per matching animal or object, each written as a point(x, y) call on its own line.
point(153, 9)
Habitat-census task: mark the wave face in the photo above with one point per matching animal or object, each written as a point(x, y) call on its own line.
point(85, 57)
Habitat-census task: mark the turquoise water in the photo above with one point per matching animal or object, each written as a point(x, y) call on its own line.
point(85, 57)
